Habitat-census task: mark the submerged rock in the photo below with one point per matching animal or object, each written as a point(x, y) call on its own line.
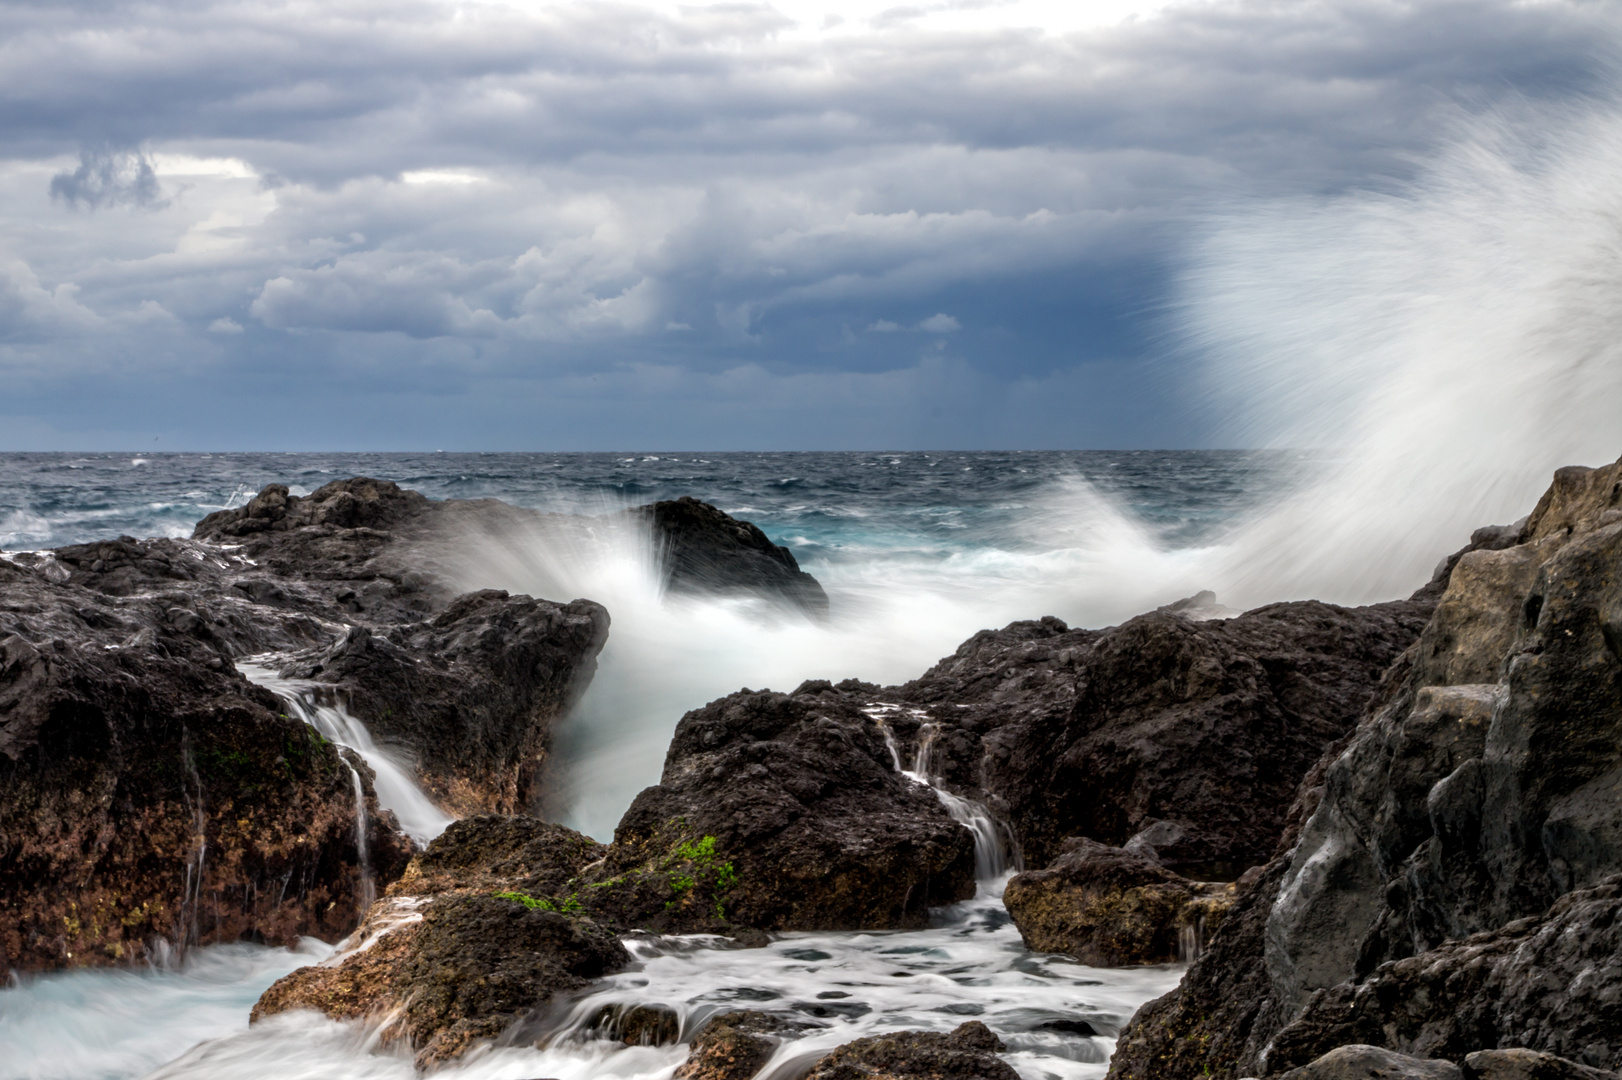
point(1111, 907)
point(968, 1053)
point(1478, 793)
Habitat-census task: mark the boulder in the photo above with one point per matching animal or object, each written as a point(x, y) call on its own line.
point(707, 551)
point(1522, 1064)
point(1112, 907)
point(460, 949)
point(968, 1053)
point(734, 1046)
point(1358, 1062)
point(781, 812)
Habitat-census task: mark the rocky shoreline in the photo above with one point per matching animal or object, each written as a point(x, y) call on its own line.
point(1387, 838)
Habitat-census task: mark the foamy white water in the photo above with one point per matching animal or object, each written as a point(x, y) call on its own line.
point(110, 1024)
point(192, 1024)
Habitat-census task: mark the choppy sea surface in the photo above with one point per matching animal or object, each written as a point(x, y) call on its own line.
point(917, 552)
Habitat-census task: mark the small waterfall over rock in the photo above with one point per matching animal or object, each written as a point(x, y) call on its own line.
point(396, 788)
point(186, 929)
point(991, 842)
point(368, 887)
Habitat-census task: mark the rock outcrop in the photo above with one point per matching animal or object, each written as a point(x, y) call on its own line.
point(704, 550)
point(462, 948)
point(149, 793)
point(734, 1046)
point(967, 1053)
point(1481, 790)
point(1112, 907)
point(781, 812)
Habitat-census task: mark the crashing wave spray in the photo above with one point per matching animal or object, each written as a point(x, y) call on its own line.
point(1454, 343)
point(890, 620)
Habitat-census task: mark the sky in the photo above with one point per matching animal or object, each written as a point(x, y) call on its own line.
point(811, 224)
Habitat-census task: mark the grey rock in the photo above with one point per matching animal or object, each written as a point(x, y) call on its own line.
point(1358, 1062)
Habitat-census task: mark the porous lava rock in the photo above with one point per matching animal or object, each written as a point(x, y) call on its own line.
point(1479, 797)
point(1111, 907)
point(149, 795)
point(462, 948)
point(705, 550)
point(967, 1053)
point(781, 812)
point(734, 1046)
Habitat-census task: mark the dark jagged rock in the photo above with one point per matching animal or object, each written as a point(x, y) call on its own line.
point(781, 812)
point(1110, 907)
point(734, 1046)
point(464, 946)
point(148, 791)
point(1481, 790)
point(968, 1053)
point(704, 550)
point(1552, 983)
point(134, 759)
point(471, 693)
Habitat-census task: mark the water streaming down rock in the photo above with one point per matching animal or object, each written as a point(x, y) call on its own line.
point(368, 886)
point(396, 790)
point(993, 845)
point(186, 929)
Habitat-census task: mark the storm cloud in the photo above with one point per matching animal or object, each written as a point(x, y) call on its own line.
point(597, 225)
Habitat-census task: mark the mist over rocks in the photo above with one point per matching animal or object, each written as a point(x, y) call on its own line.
point(1450, 883)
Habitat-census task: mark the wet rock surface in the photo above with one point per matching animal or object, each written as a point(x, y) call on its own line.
point(462, 948)
point(1449, 888)
point(781, 812)
point(703, 550)
point(132, 754)
point(967, 1053)
point(1111, 907)
point(147, 791)
point(734, 1046)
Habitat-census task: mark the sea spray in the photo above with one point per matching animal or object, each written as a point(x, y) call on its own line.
point(1446, 345)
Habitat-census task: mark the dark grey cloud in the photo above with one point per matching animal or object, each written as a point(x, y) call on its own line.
point(109, 177)
point(488, 205)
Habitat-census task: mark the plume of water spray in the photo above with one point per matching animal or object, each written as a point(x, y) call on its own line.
point(1443, 347)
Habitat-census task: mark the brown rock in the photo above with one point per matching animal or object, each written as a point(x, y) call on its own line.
point(1109, 907)
point(968, 1053)
point(734, 1046)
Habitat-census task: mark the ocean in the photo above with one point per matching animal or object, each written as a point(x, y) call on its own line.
point(917, 552)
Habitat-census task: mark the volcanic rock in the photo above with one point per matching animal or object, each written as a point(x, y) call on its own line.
point(149, 793)
point(734, 1046)
point(1357, 1062)
point(968, 1053)
point(1478, 798)
point(704, 550)
point(781, 812)
point(462, 947)
point(1111, 907)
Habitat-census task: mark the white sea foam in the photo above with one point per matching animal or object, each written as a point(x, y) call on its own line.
point(111, 1024)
